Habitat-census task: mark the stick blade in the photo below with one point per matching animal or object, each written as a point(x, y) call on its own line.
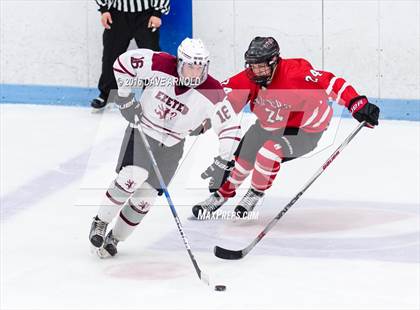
point(227, 254)
point(205, 278)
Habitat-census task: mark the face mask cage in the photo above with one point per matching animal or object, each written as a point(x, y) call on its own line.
point(192, 81)
point(261, 79)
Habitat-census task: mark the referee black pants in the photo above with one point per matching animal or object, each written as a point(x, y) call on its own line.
point(125, 26)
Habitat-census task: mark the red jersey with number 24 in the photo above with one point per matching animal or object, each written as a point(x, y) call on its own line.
point(297, 96)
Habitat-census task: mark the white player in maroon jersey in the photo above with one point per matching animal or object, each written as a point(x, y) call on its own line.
point(178, 97)
point(290, 100)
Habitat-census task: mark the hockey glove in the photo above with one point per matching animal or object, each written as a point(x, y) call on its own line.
point(205, 125)
point(218, 171)
point(363, 110)
point(129, 107)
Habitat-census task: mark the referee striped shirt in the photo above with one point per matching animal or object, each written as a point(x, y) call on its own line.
point(159, 6)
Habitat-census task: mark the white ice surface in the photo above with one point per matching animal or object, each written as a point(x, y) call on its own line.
point(351, 242)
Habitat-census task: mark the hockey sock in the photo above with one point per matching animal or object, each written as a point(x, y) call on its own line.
point(134, 210)
point(266, 166)
point(239, 173)
point(129, 178)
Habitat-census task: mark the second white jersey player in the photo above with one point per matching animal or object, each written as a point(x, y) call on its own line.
point(178, 97)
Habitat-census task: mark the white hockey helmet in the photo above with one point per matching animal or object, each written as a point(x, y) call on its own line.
point(192, 54)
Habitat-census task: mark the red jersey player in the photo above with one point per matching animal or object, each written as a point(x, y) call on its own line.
point(290, 100)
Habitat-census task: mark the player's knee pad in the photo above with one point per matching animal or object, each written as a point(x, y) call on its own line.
point(131, 177)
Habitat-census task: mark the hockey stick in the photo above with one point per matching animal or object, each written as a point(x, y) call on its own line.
point(203, 277)
point(232, 254)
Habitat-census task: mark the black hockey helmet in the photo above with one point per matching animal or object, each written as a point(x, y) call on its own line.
point(262, 50)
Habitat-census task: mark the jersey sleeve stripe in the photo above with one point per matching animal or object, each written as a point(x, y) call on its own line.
point(313, 116)
point(340, 92)
point(233, 138)
point(323, 118)
point(118, 70)
point(230, 128)
point(330, 86)
point(124, 68)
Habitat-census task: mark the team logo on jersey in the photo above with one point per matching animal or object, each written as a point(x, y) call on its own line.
point(275, 108)
point(170, 107)
point(273, 103)
point(165, 113)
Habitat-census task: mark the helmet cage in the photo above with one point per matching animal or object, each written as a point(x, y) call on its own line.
point(262, 80)
point(262, 50)
point(195, 81)
point(192, 51)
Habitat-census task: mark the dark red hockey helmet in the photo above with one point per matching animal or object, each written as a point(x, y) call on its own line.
point(262, 50)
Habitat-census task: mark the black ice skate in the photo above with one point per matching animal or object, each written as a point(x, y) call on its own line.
point(98, 104)
point(110, 246)
point(210, 205)
point(97, 232)
point(248, 202)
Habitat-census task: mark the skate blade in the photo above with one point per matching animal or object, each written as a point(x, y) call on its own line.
point(102, 253)
point(111, 107)
point(98, 111)
point(99, 252)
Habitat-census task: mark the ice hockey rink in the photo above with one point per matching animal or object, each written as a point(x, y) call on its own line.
point(351, 242)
